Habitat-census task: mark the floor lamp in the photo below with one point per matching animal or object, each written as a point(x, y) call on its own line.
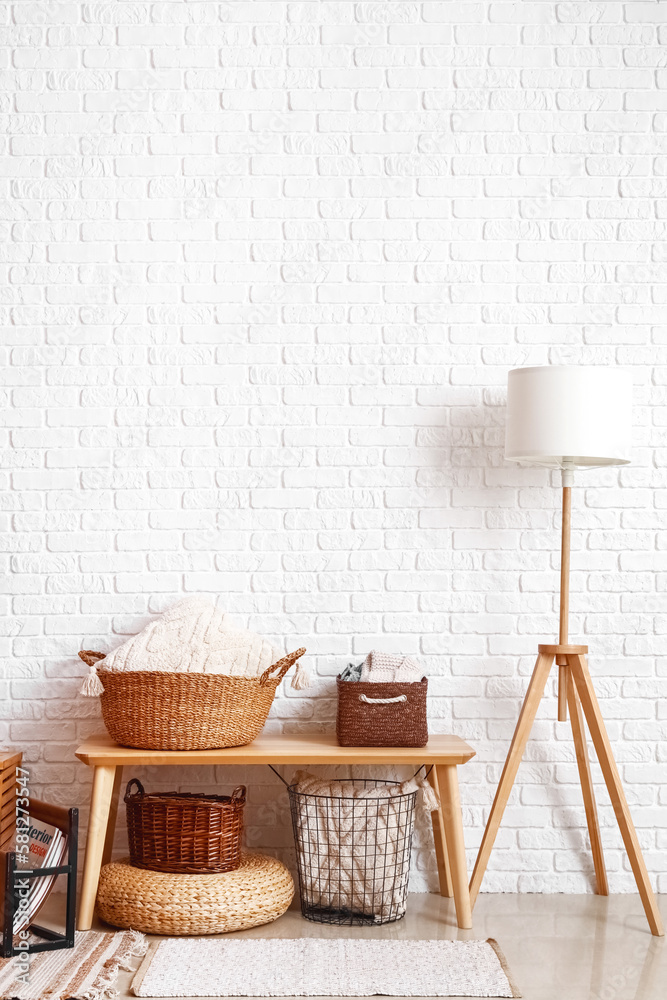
point(564, 417)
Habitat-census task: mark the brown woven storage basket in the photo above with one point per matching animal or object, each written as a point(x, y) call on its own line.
point(165, 710)
point(184, 833)
point(381, 715)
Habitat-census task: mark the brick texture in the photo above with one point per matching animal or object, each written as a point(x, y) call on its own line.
point(264, 268)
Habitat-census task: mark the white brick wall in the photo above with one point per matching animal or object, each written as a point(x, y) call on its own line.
point(264, 268)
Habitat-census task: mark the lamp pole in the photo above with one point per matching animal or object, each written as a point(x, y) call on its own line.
point(567, 475)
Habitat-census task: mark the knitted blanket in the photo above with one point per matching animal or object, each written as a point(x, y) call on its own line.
point(386, 668)
point(193, 636)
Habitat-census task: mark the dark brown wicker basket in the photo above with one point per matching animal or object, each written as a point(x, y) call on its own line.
point(381, 715)
point(184, 833)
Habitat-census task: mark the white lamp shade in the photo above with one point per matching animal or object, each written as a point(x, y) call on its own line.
point(562, 416)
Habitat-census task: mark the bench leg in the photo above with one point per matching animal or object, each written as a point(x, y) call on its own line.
point(100, 802)
point(113, 813)
point(441, 856)
point(453, 822)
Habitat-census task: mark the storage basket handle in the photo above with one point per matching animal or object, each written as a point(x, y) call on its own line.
point(140, 789)
point(282, 666)
point(383, 701)
point(286, 783)
point(238, 795)
point(90, 658)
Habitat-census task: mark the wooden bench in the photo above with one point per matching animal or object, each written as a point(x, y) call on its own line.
point(445, 753)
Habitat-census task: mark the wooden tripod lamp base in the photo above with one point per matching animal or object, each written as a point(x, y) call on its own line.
point(580, 695)
point(566, 417)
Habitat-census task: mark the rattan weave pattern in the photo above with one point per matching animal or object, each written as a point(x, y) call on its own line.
point(259, 891)
point(184, 832)
point(156, 710)
point(389, 714)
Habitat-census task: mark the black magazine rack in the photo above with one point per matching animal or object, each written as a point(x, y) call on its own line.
point(68, 821)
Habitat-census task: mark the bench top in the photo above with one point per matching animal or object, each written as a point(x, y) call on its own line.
point(313, 748)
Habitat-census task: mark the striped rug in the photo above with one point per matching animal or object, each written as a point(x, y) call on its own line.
point(89, 969)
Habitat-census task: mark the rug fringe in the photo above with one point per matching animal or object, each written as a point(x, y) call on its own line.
point(105, 985)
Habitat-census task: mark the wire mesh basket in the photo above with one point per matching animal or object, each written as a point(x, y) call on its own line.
point(353, 854)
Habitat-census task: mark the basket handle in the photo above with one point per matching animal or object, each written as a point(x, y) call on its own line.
point(282, 666)
point(238, 795)
point(383, 701)
point(128, 793)
point(90, 658)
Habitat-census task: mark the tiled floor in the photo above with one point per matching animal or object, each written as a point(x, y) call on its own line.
point(557, 947)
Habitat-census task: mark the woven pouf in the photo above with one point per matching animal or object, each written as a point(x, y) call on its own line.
point(257, 892)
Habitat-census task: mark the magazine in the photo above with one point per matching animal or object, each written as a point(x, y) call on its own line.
point(47, 849)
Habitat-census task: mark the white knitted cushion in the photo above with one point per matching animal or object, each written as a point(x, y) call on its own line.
point(195, 636)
